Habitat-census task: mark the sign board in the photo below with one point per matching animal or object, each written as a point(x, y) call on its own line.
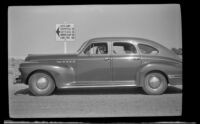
point(65, 32)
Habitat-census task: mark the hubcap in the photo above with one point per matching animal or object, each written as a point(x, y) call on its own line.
point(42, 83)
point(154, 82)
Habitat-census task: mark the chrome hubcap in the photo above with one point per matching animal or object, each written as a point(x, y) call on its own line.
point(154, 82)
point(42, 83)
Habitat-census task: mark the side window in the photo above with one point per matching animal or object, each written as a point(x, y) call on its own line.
point(122, 48)
point(146, 49)
point(96, 49)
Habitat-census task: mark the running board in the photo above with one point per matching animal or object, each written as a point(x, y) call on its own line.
point(99, 86)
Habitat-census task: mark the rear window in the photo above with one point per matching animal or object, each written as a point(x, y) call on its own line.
point(146, 49)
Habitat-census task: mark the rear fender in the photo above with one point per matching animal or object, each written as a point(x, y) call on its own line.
point(165, 69)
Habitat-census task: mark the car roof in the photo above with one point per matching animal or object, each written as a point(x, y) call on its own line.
point(135, 39)
point(162, 49)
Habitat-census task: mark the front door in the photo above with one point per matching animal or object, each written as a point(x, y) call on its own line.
point(125, 62)
point(94, 65)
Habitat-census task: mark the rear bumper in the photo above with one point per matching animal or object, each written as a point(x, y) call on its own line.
point(175, 79)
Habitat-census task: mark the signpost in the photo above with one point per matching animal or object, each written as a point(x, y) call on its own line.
point(65, 32)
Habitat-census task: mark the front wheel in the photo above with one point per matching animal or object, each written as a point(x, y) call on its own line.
point(41, 84)
point(154, 84)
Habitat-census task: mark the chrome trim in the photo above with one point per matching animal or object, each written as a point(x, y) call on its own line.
point(90, 58)
point(38, 60)
point(174, 76)
point(30, 62)
point(161, 59)
point(50, 65)
point(102, 58)
point(127, 57)
point(65, 61)
point(98, 58)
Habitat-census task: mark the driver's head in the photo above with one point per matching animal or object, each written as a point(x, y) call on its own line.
point(101, 49)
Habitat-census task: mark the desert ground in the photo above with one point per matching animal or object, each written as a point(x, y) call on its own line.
point(99, 102)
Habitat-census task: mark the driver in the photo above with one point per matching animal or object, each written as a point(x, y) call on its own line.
point(101, 50)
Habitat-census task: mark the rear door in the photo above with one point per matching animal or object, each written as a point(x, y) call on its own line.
point(125, 62)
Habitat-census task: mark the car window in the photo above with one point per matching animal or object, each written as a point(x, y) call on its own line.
point(146, 49)
point(96, 49)
point(121, 48)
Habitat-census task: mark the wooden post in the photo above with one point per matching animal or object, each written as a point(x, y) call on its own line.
point(65, 47)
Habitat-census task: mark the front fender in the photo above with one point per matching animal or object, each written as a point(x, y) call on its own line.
point(167, 69)
point(62, 74)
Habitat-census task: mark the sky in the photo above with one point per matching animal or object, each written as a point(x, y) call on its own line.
point(32, 29)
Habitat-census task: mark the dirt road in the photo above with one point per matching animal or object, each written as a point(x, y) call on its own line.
point(107, 102)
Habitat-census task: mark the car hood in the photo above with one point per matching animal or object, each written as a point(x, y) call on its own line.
point(36, 57)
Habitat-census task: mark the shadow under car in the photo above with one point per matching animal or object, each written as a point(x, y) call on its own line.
point(100, 91)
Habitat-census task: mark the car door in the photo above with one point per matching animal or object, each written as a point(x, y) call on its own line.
point(93, 65)
point(125, 62)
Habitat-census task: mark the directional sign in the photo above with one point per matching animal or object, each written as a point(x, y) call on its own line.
point(65, 32)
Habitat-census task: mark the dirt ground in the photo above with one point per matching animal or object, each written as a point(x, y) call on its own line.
point(107, 102)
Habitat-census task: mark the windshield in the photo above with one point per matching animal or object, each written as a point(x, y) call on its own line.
point(81, 47)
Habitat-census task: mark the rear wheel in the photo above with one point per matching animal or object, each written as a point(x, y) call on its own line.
point(154, 83)
point(41, 84)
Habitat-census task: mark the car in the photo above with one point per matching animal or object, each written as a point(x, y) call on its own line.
point(104, 62)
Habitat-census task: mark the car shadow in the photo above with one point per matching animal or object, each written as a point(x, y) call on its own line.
point(23, 92)
point(101, 91)
point(173, 90)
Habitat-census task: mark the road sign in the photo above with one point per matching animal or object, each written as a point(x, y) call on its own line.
point(65, 32)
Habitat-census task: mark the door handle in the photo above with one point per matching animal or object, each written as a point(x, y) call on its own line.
point(136, 58)
point(106, 59)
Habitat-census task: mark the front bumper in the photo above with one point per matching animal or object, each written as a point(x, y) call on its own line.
point(18, 80)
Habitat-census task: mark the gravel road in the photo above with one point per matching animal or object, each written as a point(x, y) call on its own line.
point(107, 102)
